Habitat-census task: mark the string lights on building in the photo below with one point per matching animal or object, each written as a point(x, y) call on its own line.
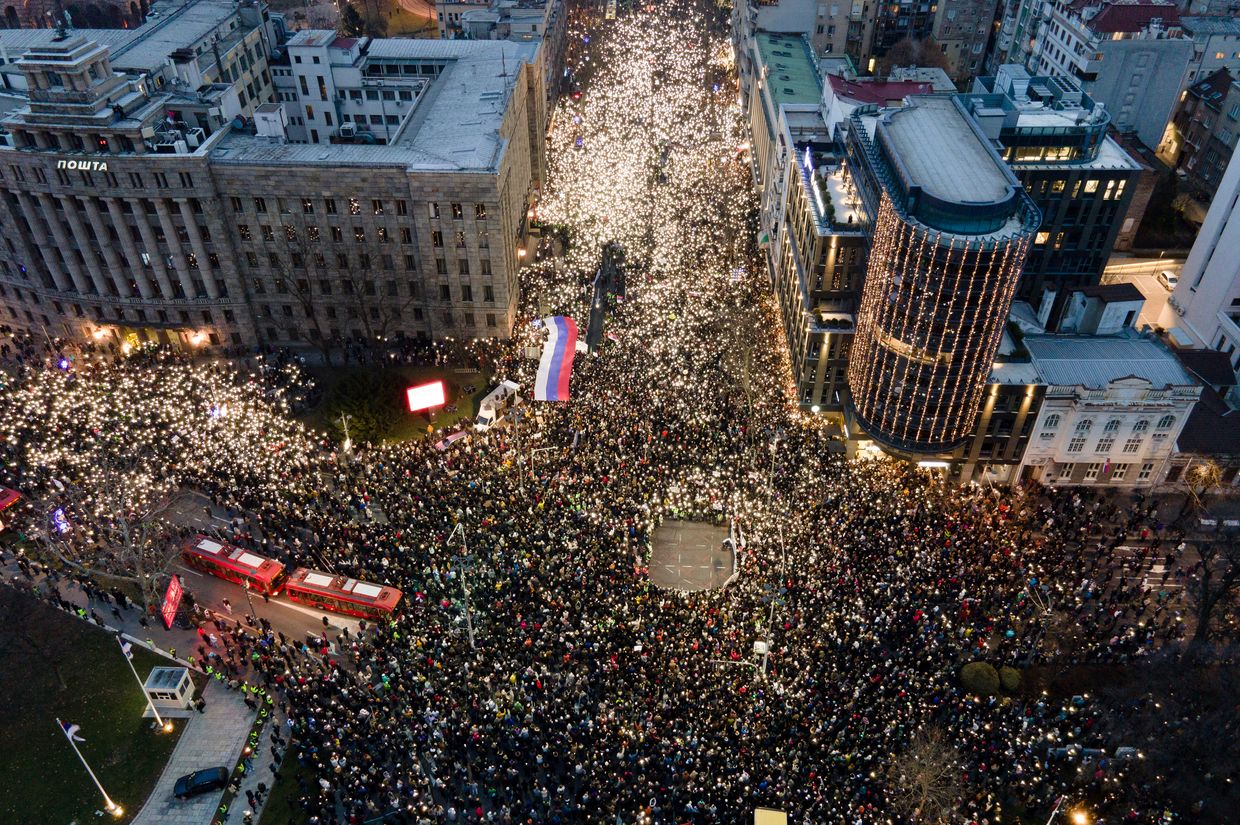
point(941, 272)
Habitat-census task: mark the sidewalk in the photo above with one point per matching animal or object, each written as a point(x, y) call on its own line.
point(215, 738)
point(211, 739)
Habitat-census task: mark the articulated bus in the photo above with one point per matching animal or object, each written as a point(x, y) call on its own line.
point(341, 594)
point(236, 564)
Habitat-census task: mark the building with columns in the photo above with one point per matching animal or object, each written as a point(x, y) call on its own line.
point(134, 210)
point(1113, 409)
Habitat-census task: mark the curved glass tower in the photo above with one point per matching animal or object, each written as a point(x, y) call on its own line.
point(950, 228)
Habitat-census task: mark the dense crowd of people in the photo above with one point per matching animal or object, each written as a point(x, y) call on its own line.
point(593, 696)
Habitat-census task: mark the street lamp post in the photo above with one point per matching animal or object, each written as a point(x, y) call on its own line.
point(770, 479)
point(166, 727)
point(249, 601)
point(344, 423)
point(460, 569)
point(534, 450)
point(770, 621)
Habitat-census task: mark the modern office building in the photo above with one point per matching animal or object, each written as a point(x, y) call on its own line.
point(1053, 136)
point(950, 228)
point(137, 209)
point(1204, 309)
point(815, 247)
point(1127, 54)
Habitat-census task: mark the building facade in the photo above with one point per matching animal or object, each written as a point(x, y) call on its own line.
point(1053, 137)
point(1205, 131)
point(1205, 305)
point(950, 228)
point(125, 225)
point(91, 14)
point(825, 23)
point(1216, 45)
point(1129, 56)
point(1113, 410)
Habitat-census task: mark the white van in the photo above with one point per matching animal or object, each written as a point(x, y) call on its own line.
point(492, 408)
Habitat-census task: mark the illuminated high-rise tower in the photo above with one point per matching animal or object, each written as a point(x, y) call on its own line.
point(950, 227)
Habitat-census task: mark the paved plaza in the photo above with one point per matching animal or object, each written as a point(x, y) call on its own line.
point(690, 555)
point(211, 739)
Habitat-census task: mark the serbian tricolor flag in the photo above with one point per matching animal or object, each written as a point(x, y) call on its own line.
point(556, 364)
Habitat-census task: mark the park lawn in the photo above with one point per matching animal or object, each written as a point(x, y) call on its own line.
point(338, 383)
point(43, 781)
point(282, 807)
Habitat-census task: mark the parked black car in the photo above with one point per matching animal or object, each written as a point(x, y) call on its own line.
point(198, 782)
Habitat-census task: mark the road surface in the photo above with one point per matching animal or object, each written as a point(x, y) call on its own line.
point(421, 8)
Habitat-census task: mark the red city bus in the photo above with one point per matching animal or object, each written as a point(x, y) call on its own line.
point(8, 498)
point(341, 594)
point(236, 564)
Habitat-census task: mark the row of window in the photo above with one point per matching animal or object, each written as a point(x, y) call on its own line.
point(364, 262)
point(1133, 445)
point(135, 314)
point(355, 206)
point(314, 234)
point(1119, 472)
point(1112, 426)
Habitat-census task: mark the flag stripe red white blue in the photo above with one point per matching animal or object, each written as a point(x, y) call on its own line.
point(556, 364)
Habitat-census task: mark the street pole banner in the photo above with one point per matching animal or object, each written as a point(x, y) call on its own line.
point(555, 367)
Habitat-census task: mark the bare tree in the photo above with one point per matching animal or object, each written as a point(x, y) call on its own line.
point(923, 782)
point(1201, 478)
point(1179, 711)
point(110, 523)
point(924, 52)
point(1216, 586)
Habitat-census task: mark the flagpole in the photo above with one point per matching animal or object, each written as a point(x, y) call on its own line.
point(166, 726)
point(113, 808)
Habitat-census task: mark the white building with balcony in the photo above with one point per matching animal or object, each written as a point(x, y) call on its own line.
point(1113, 409)
point(1204, 309)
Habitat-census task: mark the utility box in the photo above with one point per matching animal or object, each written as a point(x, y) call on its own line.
point(170, 687)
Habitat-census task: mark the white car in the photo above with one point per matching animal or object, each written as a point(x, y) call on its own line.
point(1168, 279)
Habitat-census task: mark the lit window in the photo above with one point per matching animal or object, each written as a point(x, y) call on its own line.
point(1042, 238)
point(1091, 186)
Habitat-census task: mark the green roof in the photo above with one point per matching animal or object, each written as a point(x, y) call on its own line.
point(791, 68)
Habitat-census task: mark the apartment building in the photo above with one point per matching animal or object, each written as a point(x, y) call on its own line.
point(1127, 54)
